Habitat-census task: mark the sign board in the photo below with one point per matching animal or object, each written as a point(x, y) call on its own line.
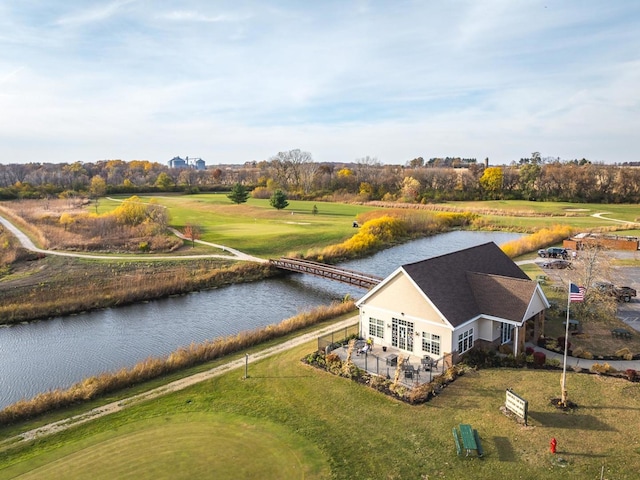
point(518, 405)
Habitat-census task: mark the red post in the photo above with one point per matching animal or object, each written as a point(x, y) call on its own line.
point(553, 445)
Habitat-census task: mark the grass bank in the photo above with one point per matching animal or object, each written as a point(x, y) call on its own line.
point(339, 429)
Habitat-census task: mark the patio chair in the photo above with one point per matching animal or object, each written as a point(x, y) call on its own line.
point(426, 363)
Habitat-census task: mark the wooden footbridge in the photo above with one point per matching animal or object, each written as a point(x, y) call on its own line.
point(327, 271)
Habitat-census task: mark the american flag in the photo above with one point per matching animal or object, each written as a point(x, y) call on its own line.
point(576, 293)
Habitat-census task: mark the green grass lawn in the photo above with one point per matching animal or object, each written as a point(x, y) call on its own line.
point(579, 215)
point(255, 227)
point(313, 425)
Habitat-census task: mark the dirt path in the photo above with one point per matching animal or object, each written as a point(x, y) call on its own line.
point(177, 385)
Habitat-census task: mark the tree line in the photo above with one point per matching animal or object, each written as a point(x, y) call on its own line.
point(295, 173)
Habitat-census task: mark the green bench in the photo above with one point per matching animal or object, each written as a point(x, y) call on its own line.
point(478, 444)
point(457, 440)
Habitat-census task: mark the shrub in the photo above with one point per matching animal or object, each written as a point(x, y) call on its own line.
point(506, 349)
point(529, 351)
point(539, 358)
point(631, 374)
point(623, 352)
point(379, 382)
point(334, 364)
point(602, 368)
point(420, 394)
point(552, 362)
point(481, 358)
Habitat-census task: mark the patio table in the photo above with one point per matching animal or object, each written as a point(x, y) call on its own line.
point(392, 359)
point(620, 333)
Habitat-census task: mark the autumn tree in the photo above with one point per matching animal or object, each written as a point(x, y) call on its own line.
point(98, 187)
point(491, 181)
point(131, 212)
point(192, 232)
point(410, 189)
point(239, 194)
point(164, 181)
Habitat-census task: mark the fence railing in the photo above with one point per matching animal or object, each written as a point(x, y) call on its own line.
point(337, 337)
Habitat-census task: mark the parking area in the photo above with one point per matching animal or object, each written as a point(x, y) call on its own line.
point(628, 276)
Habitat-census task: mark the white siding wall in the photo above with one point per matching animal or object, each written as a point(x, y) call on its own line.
point(421, 324)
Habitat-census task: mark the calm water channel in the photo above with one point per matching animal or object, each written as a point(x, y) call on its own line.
point(60, 352)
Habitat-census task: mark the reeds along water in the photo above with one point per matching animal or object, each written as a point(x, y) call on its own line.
point(92, 387)
point(539, 239)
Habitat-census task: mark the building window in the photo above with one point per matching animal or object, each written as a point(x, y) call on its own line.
point(402, 334)
point(376, 327)
point(465, 341)
point(431, 343)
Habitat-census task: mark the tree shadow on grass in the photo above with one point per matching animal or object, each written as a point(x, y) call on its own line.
point(504, 448)
point(564, 420)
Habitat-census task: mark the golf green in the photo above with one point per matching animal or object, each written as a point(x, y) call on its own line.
point(186, 446)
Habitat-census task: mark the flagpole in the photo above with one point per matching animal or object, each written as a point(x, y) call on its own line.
point(566, 343)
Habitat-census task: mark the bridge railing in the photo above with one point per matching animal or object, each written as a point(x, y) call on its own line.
point(327, 271)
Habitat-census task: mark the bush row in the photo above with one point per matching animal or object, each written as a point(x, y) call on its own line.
point(531, 358)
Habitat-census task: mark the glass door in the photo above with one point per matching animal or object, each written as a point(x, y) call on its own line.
point(402, 334)
point(505, 332)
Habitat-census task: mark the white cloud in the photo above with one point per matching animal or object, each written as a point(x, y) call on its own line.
point(237, 81)
point(98, 13)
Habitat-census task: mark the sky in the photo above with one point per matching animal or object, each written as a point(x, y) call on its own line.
point(241, 80)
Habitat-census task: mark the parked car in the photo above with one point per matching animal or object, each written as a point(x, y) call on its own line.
point(622, 294)
point(557, 263)
point(553, 252)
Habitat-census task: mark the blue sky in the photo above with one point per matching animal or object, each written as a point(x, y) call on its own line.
point(234, 81)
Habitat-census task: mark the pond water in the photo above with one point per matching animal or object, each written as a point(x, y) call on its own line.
point(59, 352)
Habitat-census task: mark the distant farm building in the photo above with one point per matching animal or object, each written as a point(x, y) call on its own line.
point(178, 162)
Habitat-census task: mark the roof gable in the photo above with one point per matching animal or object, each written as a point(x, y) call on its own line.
point(445, 280)
point(502, 297)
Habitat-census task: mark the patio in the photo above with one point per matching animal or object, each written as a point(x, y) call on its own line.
point(414, 372)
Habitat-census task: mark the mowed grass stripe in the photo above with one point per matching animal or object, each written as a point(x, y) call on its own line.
point(188, 446)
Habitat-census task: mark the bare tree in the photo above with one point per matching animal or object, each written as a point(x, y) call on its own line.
point(593, 264)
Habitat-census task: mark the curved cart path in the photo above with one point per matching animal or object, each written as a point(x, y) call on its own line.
point(26, 242)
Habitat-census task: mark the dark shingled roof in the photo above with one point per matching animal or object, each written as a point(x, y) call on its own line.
point(449, 281)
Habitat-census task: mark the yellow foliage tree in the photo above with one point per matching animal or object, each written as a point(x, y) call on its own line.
point(131, 212)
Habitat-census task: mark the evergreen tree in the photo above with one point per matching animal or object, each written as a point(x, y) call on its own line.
point(278, 200)
point(238, 194)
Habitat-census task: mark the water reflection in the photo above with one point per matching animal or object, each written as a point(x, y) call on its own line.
point(56, 353)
